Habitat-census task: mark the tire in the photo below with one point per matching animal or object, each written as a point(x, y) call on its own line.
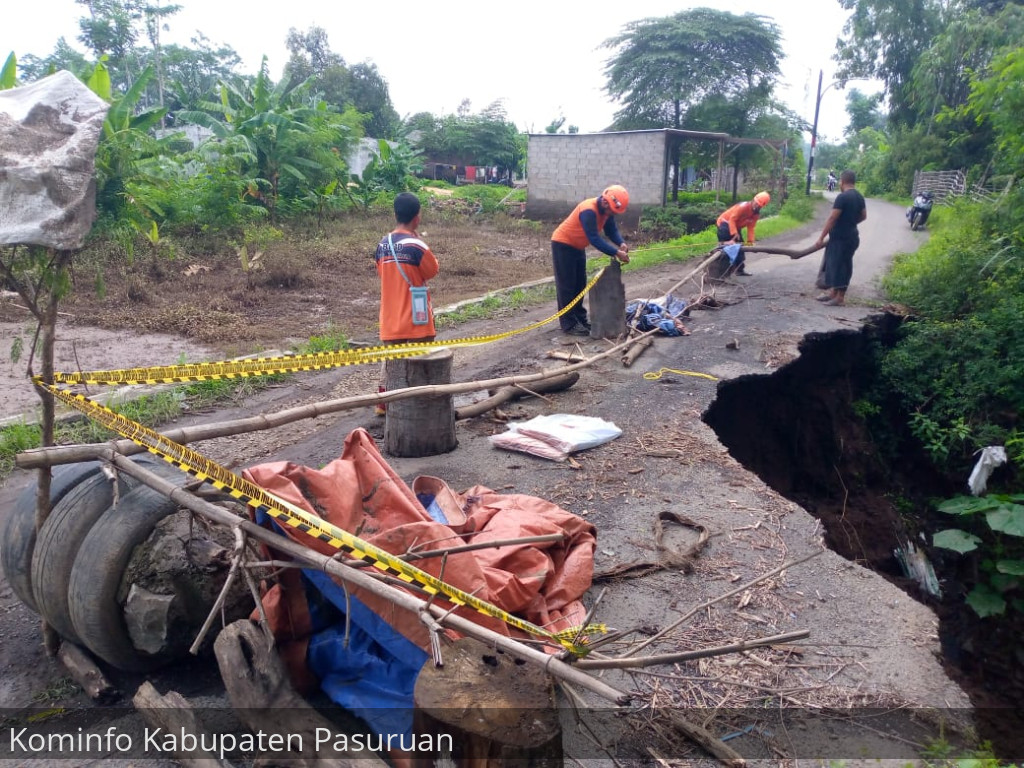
point(97, 615)
point(18, 533)
point(59, 539)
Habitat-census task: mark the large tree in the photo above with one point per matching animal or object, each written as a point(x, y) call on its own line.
point(703, 69)
point(883, 39)
point(863, 111)
point(487, 138)
point(663, 66)
point(360, 86)
point(960, 53)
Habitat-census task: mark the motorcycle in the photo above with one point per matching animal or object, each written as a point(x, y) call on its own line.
point(831, 185)
point(917, 214)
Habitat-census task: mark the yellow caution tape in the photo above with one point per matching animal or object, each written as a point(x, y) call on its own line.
point(654, 375)
point(263, 366)
point(281, 510)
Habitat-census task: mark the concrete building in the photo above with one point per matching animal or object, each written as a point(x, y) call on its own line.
point(563, 169)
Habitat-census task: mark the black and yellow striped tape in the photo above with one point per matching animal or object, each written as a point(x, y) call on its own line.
point(264, 366)
point(194, 463)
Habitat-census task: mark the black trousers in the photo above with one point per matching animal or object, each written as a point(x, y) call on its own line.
point(570, 266)
point(839, 262)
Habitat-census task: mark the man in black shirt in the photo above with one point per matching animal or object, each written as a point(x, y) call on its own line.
point(848, 211)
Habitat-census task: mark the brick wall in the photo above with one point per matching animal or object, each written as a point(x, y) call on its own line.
point(562, 169)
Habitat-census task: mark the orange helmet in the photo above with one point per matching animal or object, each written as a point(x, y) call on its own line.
point(762, 199)
point(616, 198)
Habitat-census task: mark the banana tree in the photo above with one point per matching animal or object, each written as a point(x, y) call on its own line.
point(283, 128)
point(126, 143)
point(9, 73)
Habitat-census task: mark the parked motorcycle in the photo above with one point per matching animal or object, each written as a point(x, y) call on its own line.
point(917, 214)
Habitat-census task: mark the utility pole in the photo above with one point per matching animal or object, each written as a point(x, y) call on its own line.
point(814, 134)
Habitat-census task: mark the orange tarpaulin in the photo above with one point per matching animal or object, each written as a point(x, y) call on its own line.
point(360, 493)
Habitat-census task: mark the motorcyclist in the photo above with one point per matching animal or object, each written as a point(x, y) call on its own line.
point(921, 208)
point(832, 180)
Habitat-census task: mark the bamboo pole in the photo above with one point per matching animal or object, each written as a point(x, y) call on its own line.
point(358, 578)
point(699, 653)
point(70, 454)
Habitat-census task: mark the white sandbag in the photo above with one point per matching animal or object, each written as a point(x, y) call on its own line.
point(514, 440)
point(557, 435)
point(49, 132)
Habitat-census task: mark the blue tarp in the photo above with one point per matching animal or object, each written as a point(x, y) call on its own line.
point(656, 314)
point(364, 664)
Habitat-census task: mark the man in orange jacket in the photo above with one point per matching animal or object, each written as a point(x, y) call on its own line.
point(569, 241)
point(733, 221)
point(404, 261)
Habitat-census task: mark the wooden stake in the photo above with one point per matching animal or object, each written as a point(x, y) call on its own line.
point(173, 713)
point(85, 672)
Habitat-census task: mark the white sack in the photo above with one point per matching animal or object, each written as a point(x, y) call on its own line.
point(557, 435)
point(49, 132)
point(991, 457)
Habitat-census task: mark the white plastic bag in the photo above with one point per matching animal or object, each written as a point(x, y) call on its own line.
point(557, 435)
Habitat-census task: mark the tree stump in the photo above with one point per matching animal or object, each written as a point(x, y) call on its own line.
point(720, 267)
point(264, 700)
point(499, 711)
point(608, 304)
point(420, 426)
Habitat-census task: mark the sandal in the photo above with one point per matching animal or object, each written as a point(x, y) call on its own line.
point(823, 297)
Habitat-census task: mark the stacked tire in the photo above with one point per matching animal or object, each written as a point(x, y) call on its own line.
point(72, 573)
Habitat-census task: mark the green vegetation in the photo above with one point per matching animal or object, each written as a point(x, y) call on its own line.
point(999, 543)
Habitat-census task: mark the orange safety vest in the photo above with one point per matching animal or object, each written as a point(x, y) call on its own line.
point(419, 265)
point(571, 231)
point(739, 216)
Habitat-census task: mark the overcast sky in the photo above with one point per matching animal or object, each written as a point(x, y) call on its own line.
point(543, 59)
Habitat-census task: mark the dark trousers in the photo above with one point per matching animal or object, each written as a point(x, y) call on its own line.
point(570, 266)
point(723, 233)
point(839, 262)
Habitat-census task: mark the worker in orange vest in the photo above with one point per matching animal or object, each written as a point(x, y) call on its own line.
point(737, 218)
point(584, 226)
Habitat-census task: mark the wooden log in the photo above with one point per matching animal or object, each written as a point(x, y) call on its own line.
point(569, 357)
point(792, 253)
point(503, 395)
point(706, 740)
point(424, 426)
point(497, 711)
point(630, 355)
point(173, 713)
point(263, 698)
point(608, 304)
point(85, 672)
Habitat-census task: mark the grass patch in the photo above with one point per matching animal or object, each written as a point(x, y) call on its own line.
point(514, 298)
point(14, 439)
point(331, 340)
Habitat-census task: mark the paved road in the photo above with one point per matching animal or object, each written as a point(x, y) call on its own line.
point(884, 234)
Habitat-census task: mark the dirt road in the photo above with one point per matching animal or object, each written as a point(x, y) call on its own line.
point(870, 644)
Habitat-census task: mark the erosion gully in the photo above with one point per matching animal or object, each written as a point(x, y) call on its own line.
point(873, 496)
